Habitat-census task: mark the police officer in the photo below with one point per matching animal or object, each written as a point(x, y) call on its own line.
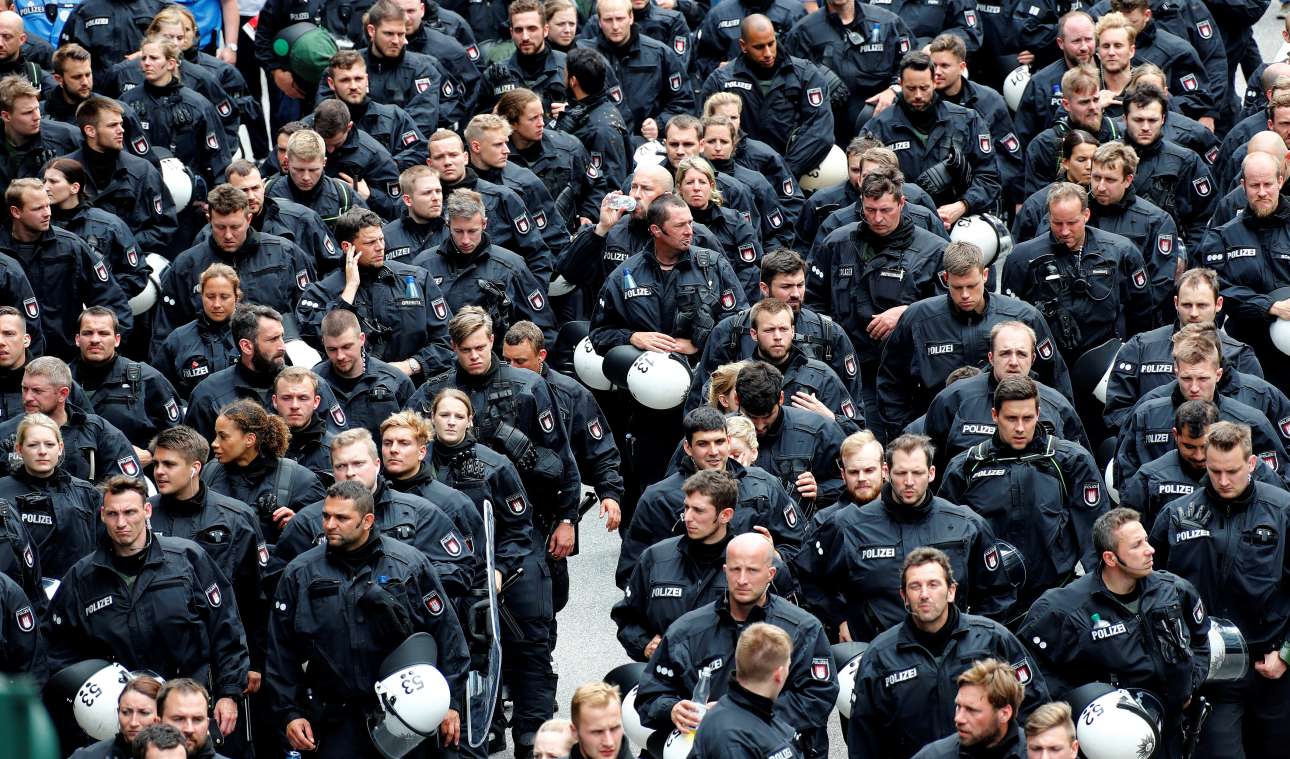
point(399, 306)
point(743, 723)
point(534, 65)
point(920, 210)
point(761, 503)
point(249, 447)
point(1090, 285)
point(859, 43)
point(799, 447)
point(120, 181)
point(719, 35)
point(1246, 587)
point(667, 25)
point(143, 598)
point(421, 226)
point(367, 388)
point(558, 159)
point(793, 116)
point(459, 57)
point(19, 638)
point(258, 334)
point(296, 398)
point(404, 517)
point(1124, 623)
point(1188, 80)
point(515, 414)
point(1082, 108)
point(985, 715)
point(590, 438)
point(704, 640)
point(302, 179)
point(75, 84)
point(783, 276)
point(900, 703)
point(66, 272)
point(678, 574)
point(937, 335)
point(109, 30)
point(274, 272)
point(356, 158)
point(31, 141)
point(716, 135)
point(514, 227)
point(486, 139)
point(20, 558)
point(105, 232)
point(811, 384)
point(1145, 361)
point(14, 355)
point(58, 510)
point(1076, 43)
point(285, 218)
point(1169, 175)
point(866, 274)
point(322, 628)
point(521, 575)
point(961, 415)
point(849, 566)
point(1145, 434)
point(593, 118)
point(205, 345)
point(648, 81)
point(949, 52)
point(405, 443)
point(955, 163)
point(1063, 491)
point(132, 395)
point(390, 125)
point(95, 448)
point(1235, 202)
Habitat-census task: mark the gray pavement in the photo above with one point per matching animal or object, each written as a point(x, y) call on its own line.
point(587, 648)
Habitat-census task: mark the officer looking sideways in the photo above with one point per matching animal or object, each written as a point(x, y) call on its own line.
point(314, 621)
point(1124, 623)
point(985, 715)
point(743, 724)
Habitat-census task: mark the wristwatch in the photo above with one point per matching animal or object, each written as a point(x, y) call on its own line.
point(232, 46)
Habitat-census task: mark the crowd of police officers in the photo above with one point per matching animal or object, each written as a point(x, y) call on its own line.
point(931, 358)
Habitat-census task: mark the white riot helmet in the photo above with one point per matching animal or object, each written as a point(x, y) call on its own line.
point(831, 171)
point(658, 381)
point(147, 298)
point(300, 353)
point(589, 366)
point(413, 695)
point(627, 677)
point(178, 181)
point(1229, 659)
point(92, 688)
point(1015, 86)
point(676, 744)
point(1279, 329)
point(1111, 724)
point(651, 153)
point(560, 286)
point(847, 656)
point(1091, 372)
point(986, 232)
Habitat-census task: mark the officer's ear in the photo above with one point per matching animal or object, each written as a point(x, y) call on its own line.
point(246, 346)
point(368, 520)
point(318, 401)
point(725, 515)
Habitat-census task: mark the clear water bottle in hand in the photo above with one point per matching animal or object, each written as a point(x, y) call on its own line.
point(702, 689)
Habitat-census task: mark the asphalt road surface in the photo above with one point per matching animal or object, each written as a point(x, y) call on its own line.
point(587, 648)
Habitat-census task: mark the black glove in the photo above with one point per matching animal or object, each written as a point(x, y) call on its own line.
point(1194, 517)
point(266, 504)
point(388, 619)
point(467, 467)
point(517, 447)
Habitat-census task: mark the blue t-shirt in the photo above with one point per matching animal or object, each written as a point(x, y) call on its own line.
point(209, 16)
point(36, 17)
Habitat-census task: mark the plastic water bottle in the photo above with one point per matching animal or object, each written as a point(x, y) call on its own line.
point(1098, 622)
point(293, 755)
point(702, 689)
point(629, 282)
point(875, 35)
point(409, 287)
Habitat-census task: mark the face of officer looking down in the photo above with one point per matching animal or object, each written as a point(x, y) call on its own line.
point(730, 111)
point(1053, 743)
point(1084, 109)
point(13, 341)
point(1229, 471)
point(674, 235)
point(426, 201)
point(600, 730)
point(773, 334)
point(1066, 219)
point(918, 88)
point(467, 232)
point(1110, 182)
point(790, 288)
point(1079, 167)
point(158, 69)
point(967, 291)
point(524, 355)
point(492, 149)
point(976, 721)
point(1261, 177)
point(1191, 449)
point(1145, 123)
point(305, 174)
point(749, 572)
point(401, 451)
point(911, 474)
point(703, 523)
point(40, 449)
point(186, 712)
point(451, 421)
point(1015, 422)
point(863, 473)
point(253, 186)
point(757, 42)
point(296, 402)
point(345, 352)
point(882, 214)
point(708, 449)
point(229, 230)
point(389, 39)
point(345, 528)
point(448, 157)
point(175, 475)
point(764, 423)
point(475, 353)
point(41, 395)
point(356, 462)
point(615, 20)
point(134, 712)
point(927, 594)
point(1012, 354)
point(1133, 553)
point(125, 517)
